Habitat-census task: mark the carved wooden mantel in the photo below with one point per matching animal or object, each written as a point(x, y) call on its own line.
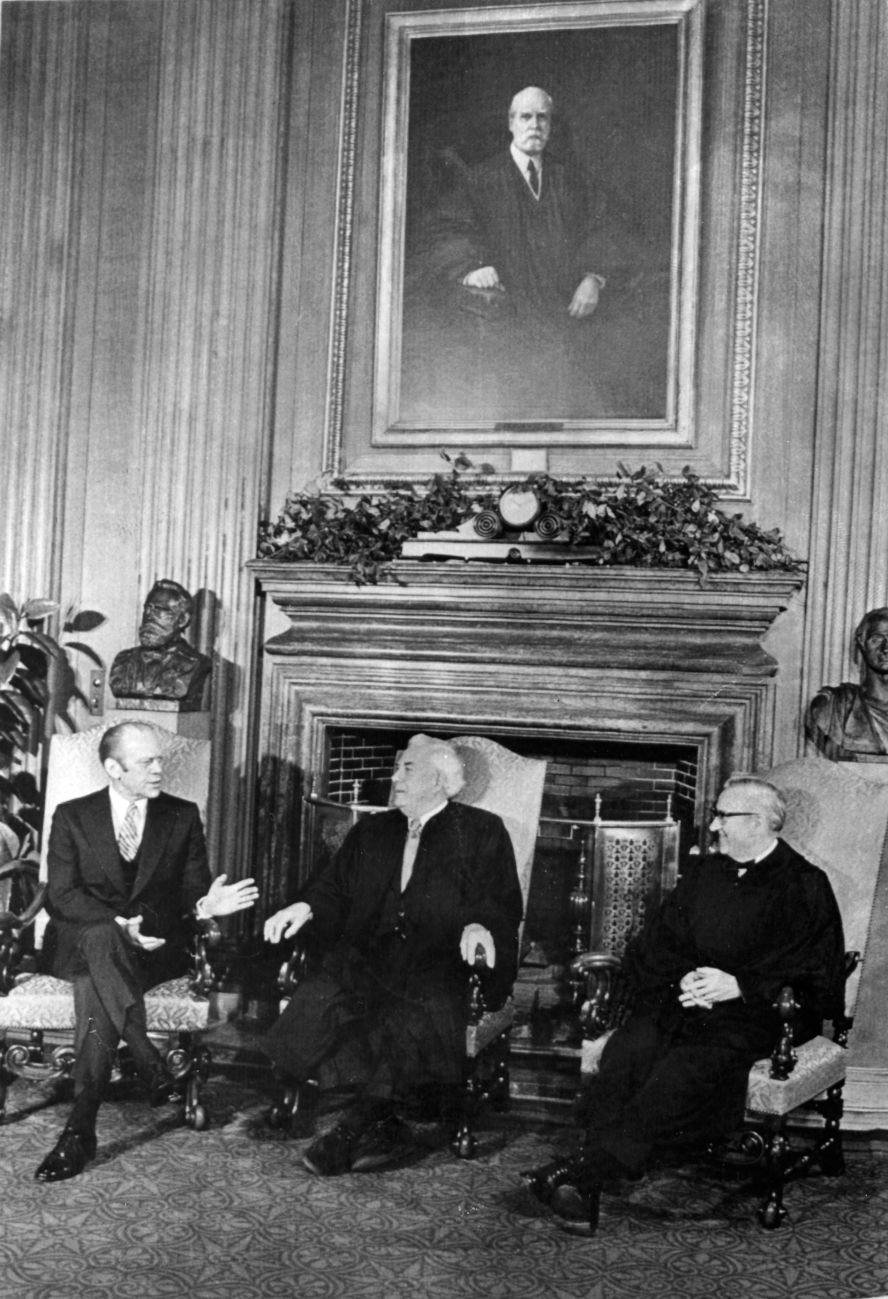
point(499, 649)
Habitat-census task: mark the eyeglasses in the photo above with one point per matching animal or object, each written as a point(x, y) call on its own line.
point(716, 814)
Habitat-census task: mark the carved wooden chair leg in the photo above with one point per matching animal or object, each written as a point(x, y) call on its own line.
point(188, 1065)
point(772, 1212)
point(828, 1151)
point(5, 1078)
point(500, 1091)
point(464, 1143)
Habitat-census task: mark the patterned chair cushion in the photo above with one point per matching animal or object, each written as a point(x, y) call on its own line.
point(40, 1001)
point(820, 1064)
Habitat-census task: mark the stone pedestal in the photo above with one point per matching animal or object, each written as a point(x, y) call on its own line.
point(166, 713)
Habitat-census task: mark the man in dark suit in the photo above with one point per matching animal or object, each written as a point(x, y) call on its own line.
point(411, 896)
point(705, 974)
point(127, 866)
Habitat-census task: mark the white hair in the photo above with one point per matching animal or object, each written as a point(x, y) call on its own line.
point(771, 802)
point(443, 757)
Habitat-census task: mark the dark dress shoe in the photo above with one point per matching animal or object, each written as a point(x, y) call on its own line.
point(68, 1157)
point(383, 1145)
point(331, 1153)
point(543, 1181)
point(570, 1190)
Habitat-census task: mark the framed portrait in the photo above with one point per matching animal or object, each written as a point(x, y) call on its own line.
point(500, 310)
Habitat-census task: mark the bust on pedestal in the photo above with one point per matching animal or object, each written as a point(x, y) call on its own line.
point(849, 723)
point(164, 679)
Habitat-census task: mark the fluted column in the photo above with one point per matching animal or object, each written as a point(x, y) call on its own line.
point(849, 541)
point(43, 70)
point(208, 308)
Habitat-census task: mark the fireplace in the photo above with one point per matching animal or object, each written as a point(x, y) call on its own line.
point(634, 684)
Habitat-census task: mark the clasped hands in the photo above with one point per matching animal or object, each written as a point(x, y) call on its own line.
point(289, 920)
point(705, 986)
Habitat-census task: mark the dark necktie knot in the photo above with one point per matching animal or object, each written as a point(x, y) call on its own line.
point(414, 827)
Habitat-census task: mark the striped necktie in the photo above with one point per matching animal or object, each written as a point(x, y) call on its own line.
point(533, 177)
point(128, 839)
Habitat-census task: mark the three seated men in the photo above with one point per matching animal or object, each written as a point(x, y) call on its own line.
point(411, 897)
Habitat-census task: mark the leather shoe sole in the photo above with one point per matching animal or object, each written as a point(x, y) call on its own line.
point(68, 1157)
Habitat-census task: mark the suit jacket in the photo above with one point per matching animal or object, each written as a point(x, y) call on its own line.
point(464, 873)
point(86, 883)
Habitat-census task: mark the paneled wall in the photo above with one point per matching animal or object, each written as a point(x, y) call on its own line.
point(142, 152)
point(171, 174)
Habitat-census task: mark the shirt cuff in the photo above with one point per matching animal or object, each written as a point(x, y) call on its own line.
point(200, 909)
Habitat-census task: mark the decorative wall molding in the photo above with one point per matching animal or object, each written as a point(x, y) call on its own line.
point(749, 239)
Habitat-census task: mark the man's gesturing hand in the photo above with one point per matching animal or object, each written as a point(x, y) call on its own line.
point(224, 899)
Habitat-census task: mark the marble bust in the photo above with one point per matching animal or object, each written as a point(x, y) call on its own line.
point(847, 722)
point(163, 665)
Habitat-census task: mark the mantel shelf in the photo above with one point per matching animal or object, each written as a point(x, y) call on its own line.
point(659, 620)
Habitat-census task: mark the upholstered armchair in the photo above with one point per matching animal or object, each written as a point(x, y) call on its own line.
point(499, 781)
point(36, 1009)
point(837, 820)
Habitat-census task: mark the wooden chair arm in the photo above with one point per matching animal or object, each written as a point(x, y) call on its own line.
point(12, 926)
point(206, 935)
point(604, 1003)
point(476, 1004)
point(783, 1057)
point(294, 969)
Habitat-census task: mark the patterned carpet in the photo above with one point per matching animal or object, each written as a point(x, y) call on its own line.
point(230, 1213)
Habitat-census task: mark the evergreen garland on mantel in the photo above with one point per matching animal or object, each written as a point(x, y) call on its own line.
point(642, 520)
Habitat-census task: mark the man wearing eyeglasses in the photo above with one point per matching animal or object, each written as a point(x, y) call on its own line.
point(704, 975)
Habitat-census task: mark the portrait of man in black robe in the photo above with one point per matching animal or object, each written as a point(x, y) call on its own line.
point(539, 228)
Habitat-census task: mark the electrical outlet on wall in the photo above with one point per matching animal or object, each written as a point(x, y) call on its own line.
point(96, 692)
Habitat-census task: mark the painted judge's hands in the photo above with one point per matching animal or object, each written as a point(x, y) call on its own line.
point(706, 985)
point(286, 923)
point(585, 298)
point(224, 899)
point(485, 277)
point(473, 937)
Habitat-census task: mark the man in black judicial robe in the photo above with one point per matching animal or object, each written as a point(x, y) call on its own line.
point(411, 896)
point(705, 974)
